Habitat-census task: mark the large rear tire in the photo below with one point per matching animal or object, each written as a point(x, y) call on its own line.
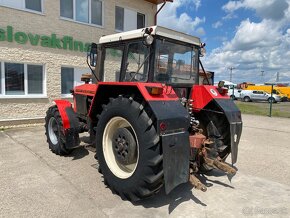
point(54, 132)
point(128, 149)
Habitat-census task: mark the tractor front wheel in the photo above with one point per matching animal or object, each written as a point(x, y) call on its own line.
point(54, 131)
point(128, 149)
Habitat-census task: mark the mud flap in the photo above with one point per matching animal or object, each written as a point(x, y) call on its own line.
point(72, 134)
point(236, 131)
point(175, 159)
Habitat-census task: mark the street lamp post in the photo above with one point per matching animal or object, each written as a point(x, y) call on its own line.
point(231, 72)
point(262, 74)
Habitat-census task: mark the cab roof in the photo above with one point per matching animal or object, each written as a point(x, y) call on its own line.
point(156, 30)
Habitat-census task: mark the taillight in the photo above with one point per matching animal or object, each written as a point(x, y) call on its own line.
point(162, 126)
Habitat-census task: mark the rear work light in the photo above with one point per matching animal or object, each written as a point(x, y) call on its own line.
point(155, 90)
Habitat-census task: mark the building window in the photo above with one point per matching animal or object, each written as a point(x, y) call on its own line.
point(33, 5)
point(140, 20)
point(70, 77)
point(66, 9)
point(67, 80)
point(14, 79)
point(119, 18)
point(21, 79)
point(35, 79)
point(126, 19)
point(85, 11)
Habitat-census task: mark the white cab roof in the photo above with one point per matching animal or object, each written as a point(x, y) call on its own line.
point(157, 30)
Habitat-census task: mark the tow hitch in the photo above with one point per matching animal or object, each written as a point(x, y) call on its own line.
point(204, 151)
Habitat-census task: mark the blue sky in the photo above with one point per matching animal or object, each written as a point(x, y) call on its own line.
point(250, 35)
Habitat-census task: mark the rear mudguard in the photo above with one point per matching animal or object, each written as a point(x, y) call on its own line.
point(172, 126)
point(70, 122)
point(234, 118)
point(208, 99)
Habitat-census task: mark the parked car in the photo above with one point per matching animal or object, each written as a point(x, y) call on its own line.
point(268, 88)
point(234, 93)
point(257, 95)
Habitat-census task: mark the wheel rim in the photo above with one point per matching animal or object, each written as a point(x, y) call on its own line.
point(53, 130)
point(118, 169)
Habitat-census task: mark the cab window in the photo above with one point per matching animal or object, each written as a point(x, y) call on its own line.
point(137, 63)
point(113, 63)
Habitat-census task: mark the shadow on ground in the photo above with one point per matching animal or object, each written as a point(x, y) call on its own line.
point(78, 153)
point(183, 193)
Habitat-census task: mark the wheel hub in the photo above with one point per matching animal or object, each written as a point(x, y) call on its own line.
point(53, 130)
point(124, 146)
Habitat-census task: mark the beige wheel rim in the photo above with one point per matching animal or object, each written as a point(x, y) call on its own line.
point(120, 170)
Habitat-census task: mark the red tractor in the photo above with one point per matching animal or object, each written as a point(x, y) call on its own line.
point(151, 122)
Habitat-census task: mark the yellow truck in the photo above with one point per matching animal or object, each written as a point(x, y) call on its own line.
point(276, 90)
point(284, 90)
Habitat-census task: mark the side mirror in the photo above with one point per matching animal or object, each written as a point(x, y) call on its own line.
point(221, 84)
point(93, 54)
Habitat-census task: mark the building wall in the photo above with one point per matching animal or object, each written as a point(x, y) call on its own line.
point(52, 58)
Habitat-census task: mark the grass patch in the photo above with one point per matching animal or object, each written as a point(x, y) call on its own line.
point(2, 128)
point(263, 108)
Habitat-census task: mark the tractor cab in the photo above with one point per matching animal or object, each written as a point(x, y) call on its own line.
point(154, 54)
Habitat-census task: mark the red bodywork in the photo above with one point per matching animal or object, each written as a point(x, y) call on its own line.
point(203, 94)
point(200, 94)
point(168, 94)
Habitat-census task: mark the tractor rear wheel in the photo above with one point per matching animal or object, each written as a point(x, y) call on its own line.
point(128, 149)
point(54, 131)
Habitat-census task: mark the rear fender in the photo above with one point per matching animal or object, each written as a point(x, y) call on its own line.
point(106, 90)
point(203, 94)
point(207, 98)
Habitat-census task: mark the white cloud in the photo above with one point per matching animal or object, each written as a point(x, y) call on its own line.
point(256, 46)
point(231, 6)
point(197, 3)
point(168, 17)
point(270, 9)
point(217, 24)
point(252, 35)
